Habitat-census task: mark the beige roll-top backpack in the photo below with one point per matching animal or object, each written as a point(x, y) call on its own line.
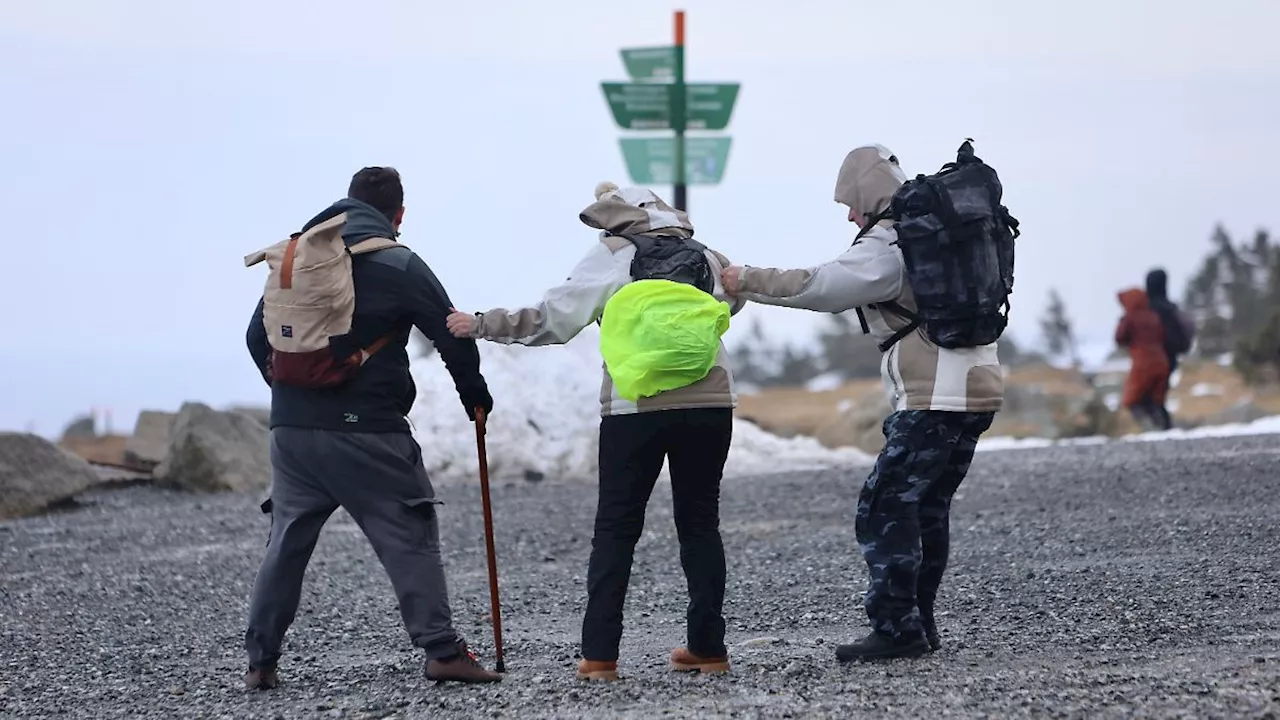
point(309, 298)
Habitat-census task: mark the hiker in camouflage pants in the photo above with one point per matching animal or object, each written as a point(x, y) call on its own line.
point(942, 399)
point(903, 522)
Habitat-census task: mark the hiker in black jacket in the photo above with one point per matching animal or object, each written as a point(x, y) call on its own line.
point(1177, 333)
point(350, 445)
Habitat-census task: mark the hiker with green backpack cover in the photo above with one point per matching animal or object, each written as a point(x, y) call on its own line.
point(667, 394)
point(930, 274)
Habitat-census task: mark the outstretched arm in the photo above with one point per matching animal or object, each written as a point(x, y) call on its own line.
point(428, 305)
point(561, 314)
point(866, 273)
point(720, 263)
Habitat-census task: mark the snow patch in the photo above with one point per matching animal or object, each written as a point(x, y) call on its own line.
point(546, 418)
point(1264, 426)
point(824, 382)
point(1204, 389)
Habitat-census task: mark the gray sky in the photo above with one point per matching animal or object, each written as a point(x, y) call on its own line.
point(147, 145)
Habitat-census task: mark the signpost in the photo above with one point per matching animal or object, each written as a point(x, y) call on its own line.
point(658, 98)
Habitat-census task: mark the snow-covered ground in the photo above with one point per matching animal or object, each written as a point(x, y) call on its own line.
point(547, 414)
point(1265, 426)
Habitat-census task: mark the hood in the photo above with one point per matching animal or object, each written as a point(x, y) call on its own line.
point(633, 211)
point(1134, 299)
point(1157, 285)
point(364, 221)
point(868, 178)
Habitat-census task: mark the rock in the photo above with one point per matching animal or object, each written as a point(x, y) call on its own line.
point(84, 426)
point(150, 441)
point(210, 451)
point(261, 414)
point(858, 423)
point(1243, 411)
point(35, 474)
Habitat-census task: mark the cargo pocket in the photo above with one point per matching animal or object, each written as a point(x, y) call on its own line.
point(266, 507)
point(423, 512)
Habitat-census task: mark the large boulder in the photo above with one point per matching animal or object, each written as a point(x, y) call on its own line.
point(35, 474)
point(149, 443)
point(83, 426)
point(261, 414)
point(211, 451)
point(858, 423)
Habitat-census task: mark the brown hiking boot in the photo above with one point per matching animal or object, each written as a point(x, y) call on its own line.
point(597, 669)
point(261, 678)
point(463, 667)
point(684, 661)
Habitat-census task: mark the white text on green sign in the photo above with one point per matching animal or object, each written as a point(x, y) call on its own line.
point(651, 161)
point(651, 64)
point(648, 106)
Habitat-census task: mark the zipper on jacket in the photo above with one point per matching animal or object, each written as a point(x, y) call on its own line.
point(893, 378)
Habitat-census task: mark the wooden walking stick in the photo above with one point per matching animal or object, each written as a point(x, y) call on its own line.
point(495, 606)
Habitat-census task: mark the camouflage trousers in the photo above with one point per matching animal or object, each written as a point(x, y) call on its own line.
point(903, 524)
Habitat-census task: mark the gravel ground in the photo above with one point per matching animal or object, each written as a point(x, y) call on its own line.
point(1135, 579)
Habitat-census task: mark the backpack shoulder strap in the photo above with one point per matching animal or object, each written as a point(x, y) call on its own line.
point(643, 243)
point(897, 309)
point(873, 222)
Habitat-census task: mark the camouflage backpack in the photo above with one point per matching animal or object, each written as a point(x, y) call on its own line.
point(957, 245)
point(309, 298)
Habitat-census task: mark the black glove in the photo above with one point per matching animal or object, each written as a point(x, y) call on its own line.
point(481, 400)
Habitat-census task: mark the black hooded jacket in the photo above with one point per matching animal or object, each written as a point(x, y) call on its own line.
point(395, 291)
point(1175, 337)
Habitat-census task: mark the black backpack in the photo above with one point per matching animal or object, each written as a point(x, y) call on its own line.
point(957, 244)
point(667, 257)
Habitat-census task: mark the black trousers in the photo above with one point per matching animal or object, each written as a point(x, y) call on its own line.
point(632, 449)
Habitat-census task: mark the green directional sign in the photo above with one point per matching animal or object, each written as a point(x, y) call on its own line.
point(710, 105)
point(648, 106)
point(651, 64)
point(640, 106)
point(652, 160)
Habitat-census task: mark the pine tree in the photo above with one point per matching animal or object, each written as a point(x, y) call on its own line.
point(1059, 335)
point(748, 356)
point(846, 350)
point(798, 367)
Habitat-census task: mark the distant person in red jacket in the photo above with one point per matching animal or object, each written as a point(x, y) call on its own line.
point(1142, 333)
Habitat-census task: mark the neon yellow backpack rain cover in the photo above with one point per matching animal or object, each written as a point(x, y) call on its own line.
point(660, 335)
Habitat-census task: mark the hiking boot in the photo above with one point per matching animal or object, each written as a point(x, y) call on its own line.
point(684, 661)
point(931, 633)
point(463, 667)
point(598, 670)
point(880, 646)
point(261, 678)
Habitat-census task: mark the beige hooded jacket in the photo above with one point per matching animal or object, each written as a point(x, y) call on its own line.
point(917, 374)
point(578, 302)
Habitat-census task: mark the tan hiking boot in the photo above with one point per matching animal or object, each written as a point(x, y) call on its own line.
point(464, 667)
point(684, 661)
point(261, 678)
point(598, 670)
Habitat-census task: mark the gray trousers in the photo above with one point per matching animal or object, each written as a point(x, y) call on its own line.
point(379, 479)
